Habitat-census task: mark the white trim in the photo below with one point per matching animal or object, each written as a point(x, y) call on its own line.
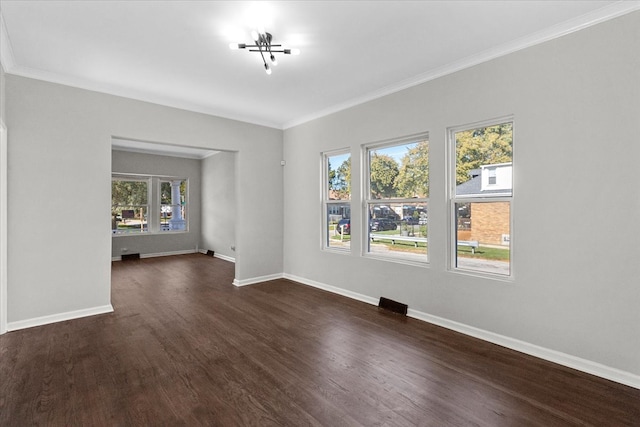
point(333, 289)
point(583, 365)
point(595, 17)
point(224, 257)
point(614, 10)
point(217, 255)
point(452, 198)
point(159, 254)
point(255, 280)
point(368, 201)
point(111, 89)
point(60, 317)
point(4, 306)
point(325, 201)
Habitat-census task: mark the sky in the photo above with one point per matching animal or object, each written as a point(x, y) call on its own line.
point(395, 151)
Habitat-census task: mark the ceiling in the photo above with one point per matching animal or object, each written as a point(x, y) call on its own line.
point(176, 53)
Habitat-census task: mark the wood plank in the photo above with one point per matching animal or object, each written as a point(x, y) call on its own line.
point(185, 347)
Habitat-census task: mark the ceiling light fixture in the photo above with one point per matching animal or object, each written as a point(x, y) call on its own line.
point(263, 46)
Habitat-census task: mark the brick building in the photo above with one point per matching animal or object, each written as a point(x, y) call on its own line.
point(486, 222)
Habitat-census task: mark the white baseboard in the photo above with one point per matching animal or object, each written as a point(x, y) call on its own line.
point(225, 257)
point(254, 280)
point(159, 254)
point(332, 289)
point(217, 255)
point(59, 317)
point(554, 356)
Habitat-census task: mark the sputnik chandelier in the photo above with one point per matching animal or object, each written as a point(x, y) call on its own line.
point(264, 46)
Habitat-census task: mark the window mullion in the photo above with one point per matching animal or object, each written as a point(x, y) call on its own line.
point(154, 205)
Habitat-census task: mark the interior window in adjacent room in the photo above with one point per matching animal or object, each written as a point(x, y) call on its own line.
point(129, 205)
point(148, 204)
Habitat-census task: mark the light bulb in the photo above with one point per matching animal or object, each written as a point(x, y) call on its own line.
point(267, 69)
point(295, 51)
point(274, 61)
point(254, 35)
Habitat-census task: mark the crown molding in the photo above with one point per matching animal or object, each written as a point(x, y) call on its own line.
point(612, 11)
point(134, 94)
point(595, 17)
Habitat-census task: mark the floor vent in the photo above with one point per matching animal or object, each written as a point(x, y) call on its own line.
point(210, 253)
point(130, 257)
point(396, 307)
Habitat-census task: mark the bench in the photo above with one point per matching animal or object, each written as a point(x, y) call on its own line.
point(395, 238)
point(473, 244)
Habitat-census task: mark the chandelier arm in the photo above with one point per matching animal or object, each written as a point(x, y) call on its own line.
point(263, 45)
point(263, 60)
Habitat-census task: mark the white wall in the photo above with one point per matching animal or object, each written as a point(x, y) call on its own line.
point(219, 214)
point(59, 190)
point(3, 109)
point(151, 164)
point(576, 103)
point(3, 207)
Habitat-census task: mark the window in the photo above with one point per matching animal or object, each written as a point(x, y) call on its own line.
point(481, 194)
point(147, 204)
point(129, 205)
point(397, 196)
point(337, 200)
point(173, 194)
point(492, 176)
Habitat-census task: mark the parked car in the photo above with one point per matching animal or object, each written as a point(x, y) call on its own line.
point(344, 224)
point(410, 220)
point(382, 224)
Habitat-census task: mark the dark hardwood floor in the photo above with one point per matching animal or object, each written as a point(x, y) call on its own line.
point(185, 347)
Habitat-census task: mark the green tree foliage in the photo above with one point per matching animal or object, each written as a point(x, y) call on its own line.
point(332, 176)
point(482, 146)
point(340, 180)
point(165, 192)
point(128, 193)
point(413, 175)
point(384, 171)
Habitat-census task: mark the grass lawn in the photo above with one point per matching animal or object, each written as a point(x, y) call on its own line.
point(484, 252)
point(347, 237)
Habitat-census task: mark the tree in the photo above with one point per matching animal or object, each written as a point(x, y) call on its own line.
point(343, 179)
point(128, 193)
point(384, 171)
point(413, 176)
point(340, 180)
point(331, 175)
point(482, 146)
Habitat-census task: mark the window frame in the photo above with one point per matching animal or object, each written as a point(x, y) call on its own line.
point(367, 200)
point(154, 202)
point(185, 207)
point(454, 199)
point(326, 201)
